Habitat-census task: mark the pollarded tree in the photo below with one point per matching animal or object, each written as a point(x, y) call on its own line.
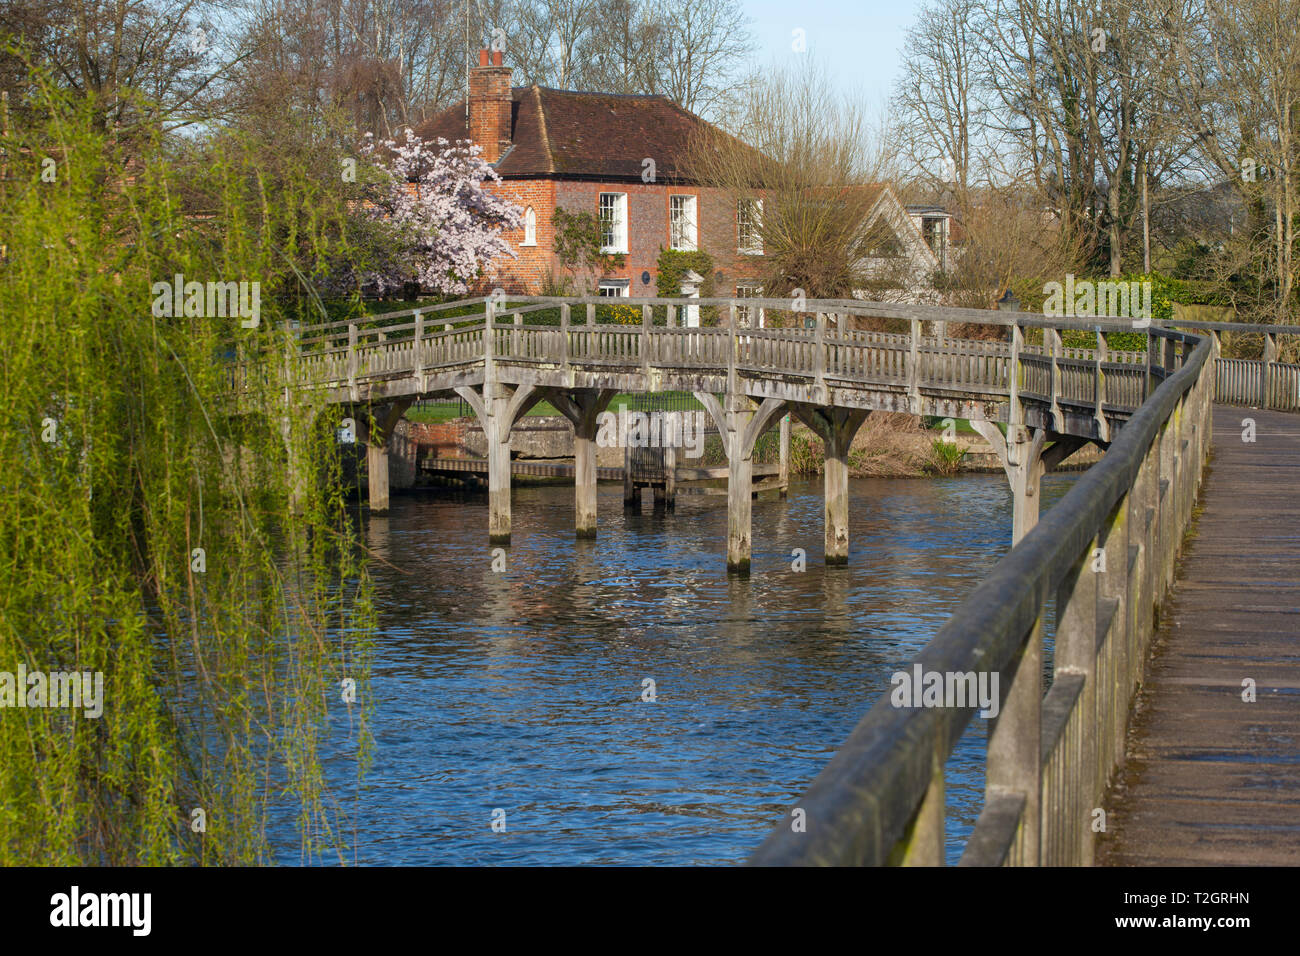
point(450, 223)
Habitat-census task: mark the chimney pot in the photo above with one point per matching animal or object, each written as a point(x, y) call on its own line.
point(496, 58)
point(482, 57)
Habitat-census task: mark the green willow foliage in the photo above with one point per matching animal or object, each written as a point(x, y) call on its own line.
point(124, 450)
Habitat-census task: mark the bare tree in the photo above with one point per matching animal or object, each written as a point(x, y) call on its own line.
point(135, 60)
point(807, 176)
point(1239, 91)
point(941, 117)
point(707, 42)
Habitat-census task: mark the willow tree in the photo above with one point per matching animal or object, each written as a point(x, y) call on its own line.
point(185, 541)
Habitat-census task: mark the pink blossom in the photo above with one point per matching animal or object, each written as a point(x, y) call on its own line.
point(435, 196)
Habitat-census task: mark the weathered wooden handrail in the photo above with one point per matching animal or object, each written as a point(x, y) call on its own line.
point(1106, 551)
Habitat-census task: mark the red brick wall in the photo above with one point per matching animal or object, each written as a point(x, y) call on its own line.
point(524, 273)
point(647, 210)
point(443, 439)
point(489, 109)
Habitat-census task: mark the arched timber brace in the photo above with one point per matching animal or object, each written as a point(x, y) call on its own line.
point(582, 407)
point(498, 408)
point(740, 424)
point(836, 427)
point(1026, 455)
point(376, 429)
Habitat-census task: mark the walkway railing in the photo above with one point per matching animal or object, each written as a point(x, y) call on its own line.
point(1261, 383)
point(1106, 554)
point(823, 349)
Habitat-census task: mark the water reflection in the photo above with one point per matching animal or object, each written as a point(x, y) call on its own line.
point(522, 690)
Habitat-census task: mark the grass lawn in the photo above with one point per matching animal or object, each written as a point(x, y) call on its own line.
point(453, 409)
point(963, 425)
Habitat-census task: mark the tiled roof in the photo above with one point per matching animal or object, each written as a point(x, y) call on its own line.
point(583, 135)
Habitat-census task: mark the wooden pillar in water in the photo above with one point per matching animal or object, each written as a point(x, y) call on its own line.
point(582, 407)
point(498, 407)
point(670, 478)
point(375, 429)
point(498, 442)
point(837, 428)
point(584, 476)
point(740, 424)
point(1026, 457)
point(377, 475)
point(785, 455)
point(631, 497)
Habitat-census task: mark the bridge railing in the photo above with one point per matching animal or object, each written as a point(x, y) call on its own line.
point(447, 337)
point(817, 343)
point(1106, 554)
point(1260, 383)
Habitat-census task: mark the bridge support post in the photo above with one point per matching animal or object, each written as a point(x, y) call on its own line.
point(785, 455)
point(377, 476)
point(666, 496)
point(498, 408)
point(631, 496)
point(1025, 457)
point(740, 425)
point(296, 477)
point(836, 427)
point(582, 407)
point(377, 428)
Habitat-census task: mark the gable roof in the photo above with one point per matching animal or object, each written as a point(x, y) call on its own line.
point(567, 134)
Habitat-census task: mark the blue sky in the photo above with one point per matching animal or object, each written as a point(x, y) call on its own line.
point(860, 42)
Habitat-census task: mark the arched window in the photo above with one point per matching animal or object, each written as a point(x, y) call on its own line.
point(530, 227)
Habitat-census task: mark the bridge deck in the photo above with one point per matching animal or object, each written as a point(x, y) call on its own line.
point(1211, 779)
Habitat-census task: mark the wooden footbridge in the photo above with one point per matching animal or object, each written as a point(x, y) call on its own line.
point(1090, 574)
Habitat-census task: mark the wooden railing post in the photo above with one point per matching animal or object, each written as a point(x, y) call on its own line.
point(647, 326)
point(1266, 370)
point(731, 350)
point(1015, 744)
point(914, 368)
point(564, 335)
point(1147, 386)
point(1068, 797)
point(924, 845)
point(418, 357)
point(820, 358)
point(352, 355)
point(1015, 410)
point(1052, 338)
point(1103, 426)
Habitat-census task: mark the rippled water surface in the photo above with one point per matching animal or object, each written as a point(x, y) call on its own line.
point(522, 690)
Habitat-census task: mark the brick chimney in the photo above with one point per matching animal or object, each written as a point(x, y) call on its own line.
point(489, 105)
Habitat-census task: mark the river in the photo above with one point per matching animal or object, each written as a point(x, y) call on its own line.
point(520, 694)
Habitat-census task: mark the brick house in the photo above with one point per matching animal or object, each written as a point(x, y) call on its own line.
point(614, 156)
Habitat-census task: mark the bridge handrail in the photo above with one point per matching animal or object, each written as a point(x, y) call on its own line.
point(880, 798)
